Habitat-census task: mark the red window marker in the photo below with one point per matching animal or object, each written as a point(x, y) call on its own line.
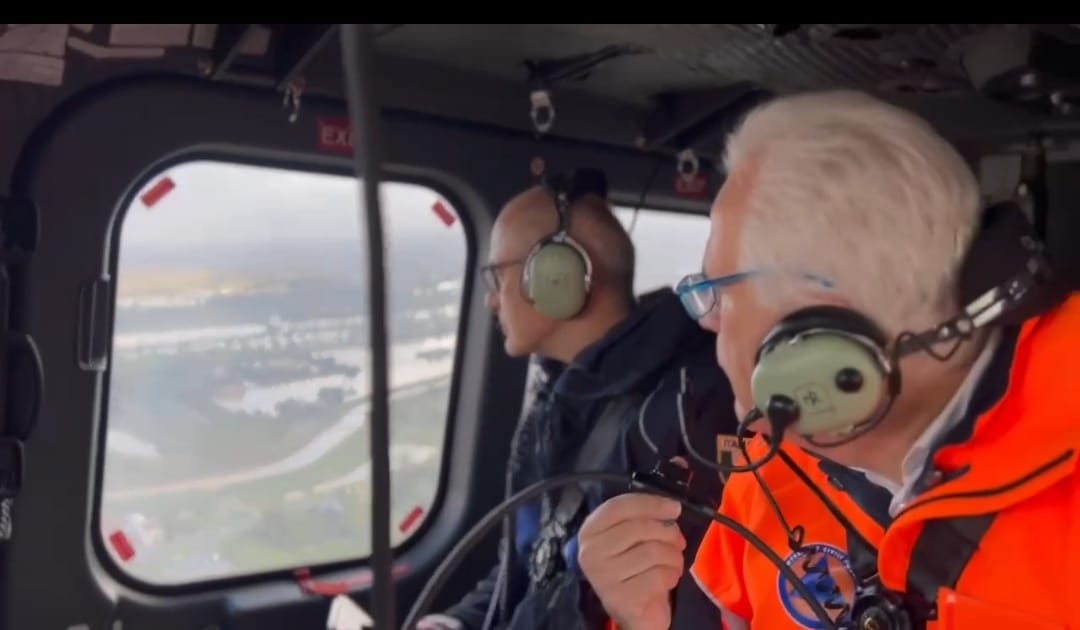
point(411, 519)
point(157, 192)
point(443, 213)
point(121, 545)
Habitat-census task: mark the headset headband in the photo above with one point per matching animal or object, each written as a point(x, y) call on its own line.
point(557, 187)
point(1031, 291)
point(565, 192)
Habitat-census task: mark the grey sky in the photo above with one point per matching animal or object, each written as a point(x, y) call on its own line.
point(217, 203)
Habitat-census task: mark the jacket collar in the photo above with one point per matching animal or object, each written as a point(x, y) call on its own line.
point(1020, 442)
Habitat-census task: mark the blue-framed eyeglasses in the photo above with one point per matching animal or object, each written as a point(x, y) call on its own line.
point(698, 292)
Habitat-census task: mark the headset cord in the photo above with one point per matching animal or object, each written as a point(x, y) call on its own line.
point(685, 394)
point(498, 604)
point(651, 483)
point(642, 429)
point(829, 505)
point(795, 535)
point(499, 591)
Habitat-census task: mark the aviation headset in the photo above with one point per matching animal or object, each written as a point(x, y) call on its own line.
point(830, 370)
point(557, 273)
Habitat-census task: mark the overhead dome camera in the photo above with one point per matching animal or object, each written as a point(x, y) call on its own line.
point(688, 164)
point(542, 112)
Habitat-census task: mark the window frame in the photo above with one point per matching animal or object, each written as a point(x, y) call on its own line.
point(296, 162)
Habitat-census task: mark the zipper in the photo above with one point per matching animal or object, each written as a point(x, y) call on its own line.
point(972, 494)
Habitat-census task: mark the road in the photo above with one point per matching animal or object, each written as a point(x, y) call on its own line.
point(323, 442)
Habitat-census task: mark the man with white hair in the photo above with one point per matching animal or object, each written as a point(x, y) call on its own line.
point(959, 501)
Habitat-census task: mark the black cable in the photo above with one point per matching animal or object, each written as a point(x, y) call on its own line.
point(644, 483)
point(644, 195)
point(753, 415)
point(642, 429)
point(795, 534)
point(829, 505)
point(472, 538)
point(500, 591)
point(358, 60)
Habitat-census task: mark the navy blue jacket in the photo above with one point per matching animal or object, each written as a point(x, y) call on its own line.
point(637, 365)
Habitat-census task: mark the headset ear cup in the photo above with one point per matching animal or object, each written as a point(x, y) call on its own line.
point(557, 280)
point(828, 361)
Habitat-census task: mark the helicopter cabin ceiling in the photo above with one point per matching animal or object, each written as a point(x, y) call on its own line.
point(660, 87)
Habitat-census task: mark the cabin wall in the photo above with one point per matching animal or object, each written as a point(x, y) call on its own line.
point(86, 158)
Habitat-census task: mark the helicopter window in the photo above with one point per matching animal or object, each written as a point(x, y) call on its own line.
point(668, 245)
point(238, 396)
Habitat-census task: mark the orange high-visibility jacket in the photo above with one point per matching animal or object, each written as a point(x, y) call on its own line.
point(995, 541)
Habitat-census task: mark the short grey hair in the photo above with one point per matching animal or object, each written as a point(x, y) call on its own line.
point(863, 193)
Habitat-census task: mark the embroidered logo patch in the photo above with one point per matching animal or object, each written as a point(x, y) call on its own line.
point(826, 571)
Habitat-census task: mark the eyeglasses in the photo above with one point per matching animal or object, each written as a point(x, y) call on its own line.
point(698, 292)
point(490, 273)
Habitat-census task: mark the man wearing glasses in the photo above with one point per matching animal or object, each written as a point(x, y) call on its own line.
point(947, 498)
point(614, 368)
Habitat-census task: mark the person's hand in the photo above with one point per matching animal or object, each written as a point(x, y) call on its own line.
point(439, 622)
point(631, 551)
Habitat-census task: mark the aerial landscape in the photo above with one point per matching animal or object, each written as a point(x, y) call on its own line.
point(238, 394)
point(238, 390)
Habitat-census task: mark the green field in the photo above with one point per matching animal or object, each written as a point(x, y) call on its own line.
point(281, 521)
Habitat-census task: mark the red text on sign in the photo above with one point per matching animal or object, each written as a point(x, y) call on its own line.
point(335, 135)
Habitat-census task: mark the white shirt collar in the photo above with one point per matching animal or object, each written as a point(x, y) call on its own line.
point(953, 413)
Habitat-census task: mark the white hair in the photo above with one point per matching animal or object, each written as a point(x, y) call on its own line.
point(863, 193)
